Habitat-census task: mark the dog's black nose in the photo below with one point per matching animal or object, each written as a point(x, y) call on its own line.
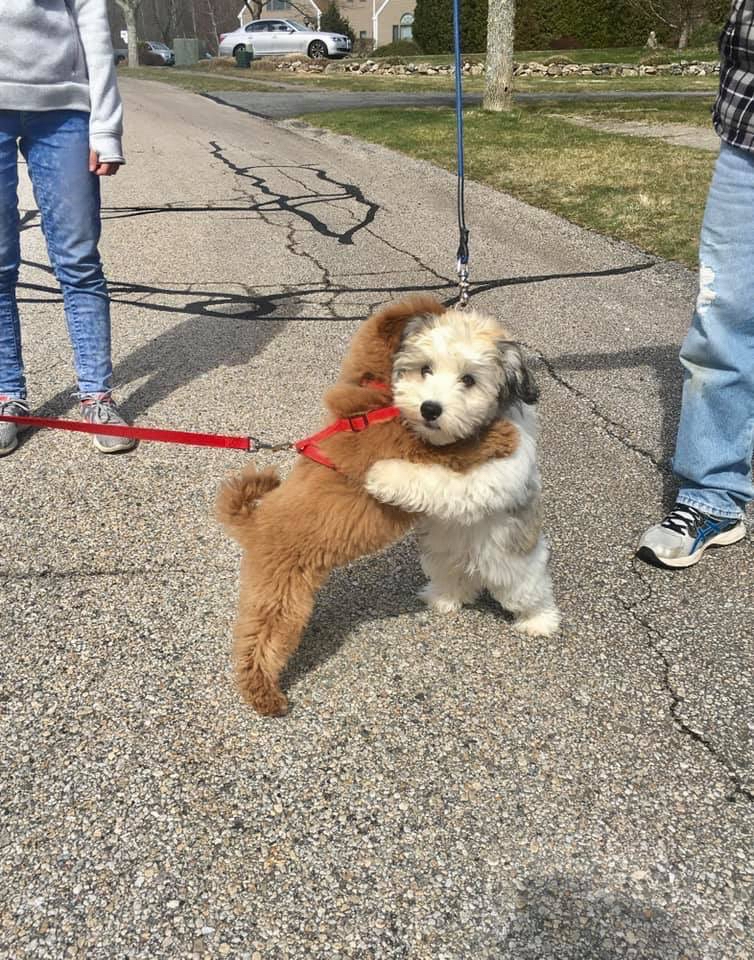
point(430, 410)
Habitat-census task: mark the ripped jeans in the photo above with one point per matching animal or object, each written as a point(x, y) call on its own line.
point(715, 440)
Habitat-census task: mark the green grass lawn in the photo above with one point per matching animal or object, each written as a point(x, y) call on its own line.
point(643, 191)
point(693, 111)
point(622, 54)
point(185, 80)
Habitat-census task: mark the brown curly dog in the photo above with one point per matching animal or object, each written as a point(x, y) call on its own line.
point(294, 534)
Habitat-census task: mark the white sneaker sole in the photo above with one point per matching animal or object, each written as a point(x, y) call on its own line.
point(724, 539)
point(120, 448)
point(4, 451)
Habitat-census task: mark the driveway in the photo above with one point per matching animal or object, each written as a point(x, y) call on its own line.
point(443, 789)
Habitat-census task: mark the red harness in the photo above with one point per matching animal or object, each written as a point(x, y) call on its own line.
point(309, 446)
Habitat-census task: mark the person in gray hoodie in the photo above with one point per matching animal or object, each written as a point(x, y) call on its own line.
point(60, 106)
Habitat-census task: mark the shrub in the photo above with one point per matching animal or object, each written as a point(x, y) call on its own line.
point(433, 25)
point(707, 35)
point(149, 59)
point(362, 47)
point(540, 24)
point(399, 48)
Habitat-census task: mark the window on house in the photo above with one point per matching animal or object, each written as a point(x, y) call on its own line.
point(406, 30)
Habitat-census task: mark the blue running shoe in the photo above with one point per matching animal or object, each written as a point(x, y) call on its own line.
point(683, 536)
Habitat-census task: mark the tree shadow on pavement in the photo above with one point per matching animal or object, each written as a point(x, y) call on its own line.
point(564, 918)
point(228, 327)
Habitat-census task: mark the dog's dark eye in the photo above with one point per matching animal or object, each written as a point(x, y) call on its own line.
point(467, 380)
point(425, 371)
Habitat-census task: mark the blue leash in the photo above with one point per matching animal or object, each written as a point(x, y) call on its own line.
point(462, 262)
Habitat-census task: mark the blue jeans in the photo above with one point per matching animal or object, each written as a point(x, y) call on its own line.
point(715, 440)
point(55, 144)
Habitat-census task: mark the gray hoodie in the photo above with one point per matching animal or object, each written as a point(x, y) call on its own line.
point(57, 55)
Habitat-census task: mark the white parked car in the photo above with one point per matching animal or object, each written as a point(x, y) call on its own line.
point(274, 38)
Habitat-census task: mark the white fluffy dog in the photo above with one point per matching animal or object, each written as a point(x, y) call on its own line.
point(454, 373)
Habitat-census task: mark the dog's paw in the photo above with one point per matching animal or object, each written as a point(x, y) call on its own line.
point(440, 602)
point(384, 477)
point(272, 704)
point(544, 623)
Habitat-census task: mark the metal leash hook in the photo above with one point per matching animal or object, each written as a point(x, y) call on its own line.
point(462, 268)
point(463, 285)
point(256, 444)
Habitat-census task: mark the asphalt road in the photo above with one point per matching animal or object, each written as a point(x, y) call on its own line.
point(443, 788)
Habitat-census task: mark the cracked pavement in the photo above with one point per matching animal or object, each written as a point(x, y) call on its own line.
point(443, 788)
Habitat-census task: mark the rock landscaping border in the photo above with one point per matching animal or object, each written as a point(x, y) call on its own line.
point(533, 68)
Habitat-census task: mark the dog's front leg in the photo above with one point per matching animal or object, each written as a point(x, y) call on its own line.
point(464, 498)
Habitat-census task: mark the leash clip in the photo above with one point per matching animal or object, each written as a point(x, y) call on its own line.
point(462, 268)
point(256, 444)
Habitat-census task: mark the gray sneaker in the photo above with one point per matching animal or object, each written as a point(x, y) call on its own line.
point(683, 536)
point(103, 410)
point(9, 431)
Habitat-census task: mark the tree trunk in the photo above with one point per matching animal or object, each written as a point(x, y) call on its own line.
point(683, 37)
point(498, 81)
point(254, 7)
point(130, 8)
point(133, 40)
point(213, 21)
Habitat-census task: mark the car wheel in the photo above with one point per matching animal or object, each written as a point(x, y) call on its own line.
point(317, 50)
point(241, 46)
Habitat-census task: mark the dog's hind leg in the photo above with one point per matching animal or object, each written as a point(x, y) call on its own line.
point(449, 587)
point(267, 632)
point(527, 593)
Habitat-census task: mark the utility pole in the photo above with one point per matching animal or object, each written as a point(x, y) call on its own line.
point(498, 80)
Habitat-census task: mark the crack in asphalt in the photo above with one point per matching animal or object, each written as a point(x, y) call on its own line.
point(653, 635)
point(295, 204)
point(654, 639)
point(611, 427)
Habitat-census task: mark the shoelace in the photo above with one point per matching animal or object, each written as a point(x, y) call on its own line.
point(102, 410)
point(21, 408)
point(684, 520)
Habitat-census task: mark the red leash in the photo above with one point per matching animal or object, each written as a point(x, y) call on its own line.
point(308, 447)
point(250, 444)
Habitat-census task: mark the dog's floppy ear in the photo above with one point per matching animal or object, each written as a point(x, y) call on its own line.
point(391, 322)
point(519, 384)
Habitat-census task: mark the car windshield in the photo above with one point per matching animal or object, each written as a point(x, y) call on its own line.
point(297, 26)
point(159, 46)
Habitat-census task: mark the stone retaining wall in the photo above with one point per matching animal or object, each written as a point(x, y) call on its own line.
point(699, 68)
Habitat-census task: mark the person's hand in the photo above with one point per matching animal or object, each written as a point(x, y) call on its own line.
point(101, 169)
